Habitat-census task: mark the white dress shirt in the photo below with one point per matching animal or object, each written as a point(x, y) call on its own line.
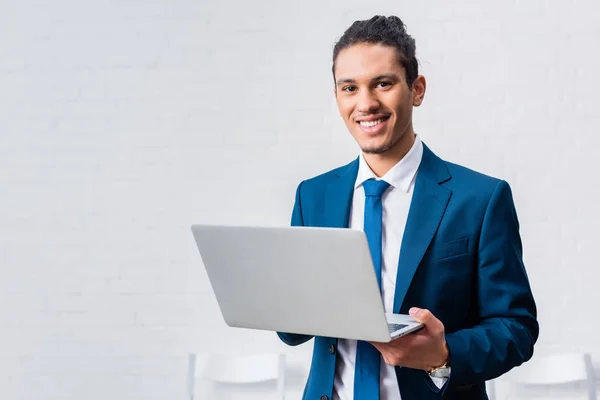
point(395, 206)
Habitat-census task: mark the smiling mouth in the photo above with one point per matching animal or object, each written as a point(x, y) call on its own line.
point(374, 126)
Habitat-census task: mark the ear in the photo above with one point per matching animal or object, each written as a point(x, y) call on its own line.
point(418, 90)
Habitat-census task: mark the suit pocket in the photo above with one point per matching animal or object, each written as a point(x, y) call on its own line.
point(451, 249)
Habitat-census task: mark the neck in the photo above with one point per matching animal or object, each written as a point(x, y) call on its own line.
point(382, 163)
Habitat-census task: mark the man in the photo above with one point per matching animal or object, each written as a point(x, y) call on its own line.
point(446, 241)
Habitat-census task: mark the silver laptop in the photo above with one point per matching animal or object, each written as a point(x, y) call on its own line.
point(314, 281)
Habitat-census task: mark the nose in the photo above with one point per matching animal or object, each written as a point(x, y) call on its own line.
point(367, 103)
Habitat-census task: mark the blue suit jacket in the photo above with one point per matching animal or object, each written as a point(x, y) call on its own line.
point(461, 258)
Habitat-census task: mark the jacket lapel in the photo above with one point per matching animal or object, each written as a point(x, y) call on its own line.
point(338, 199)
point(427, 208)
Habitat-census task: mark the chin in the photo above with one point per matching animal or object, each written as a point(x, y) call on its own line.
point(376, 148)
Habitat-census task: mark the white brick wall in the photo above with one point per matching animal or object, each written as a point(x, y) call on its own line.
point(121, 123)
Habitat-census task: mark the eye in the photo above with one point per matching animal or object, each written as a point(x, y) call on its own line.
point(385, 84)
point(349, 88)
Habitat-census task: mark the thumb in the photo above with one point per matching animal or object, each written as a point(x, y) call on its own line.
point(422, 315)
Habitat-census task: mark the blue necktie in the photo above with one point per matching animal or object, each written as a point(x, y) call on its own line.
point(366, 374)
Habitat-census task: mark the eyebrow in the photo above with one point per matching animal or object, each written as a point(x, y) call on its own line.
point(390, 75)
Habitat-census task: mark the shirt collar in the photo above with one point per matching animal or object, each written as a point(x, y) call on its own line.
point(400, 175)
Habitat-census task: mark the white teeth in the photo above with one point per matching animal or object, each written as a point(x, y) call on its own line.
point(371, 123)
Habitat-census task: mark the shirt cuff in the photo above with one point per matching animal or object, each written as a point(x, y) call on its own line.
point(440, 382)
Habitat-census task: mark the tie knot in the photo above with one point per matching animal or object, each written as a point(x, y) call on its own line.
point(375, 188)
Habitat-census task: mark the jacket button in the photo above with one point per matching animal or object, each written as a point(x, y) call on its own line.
point(332, 349)
point(324, 398)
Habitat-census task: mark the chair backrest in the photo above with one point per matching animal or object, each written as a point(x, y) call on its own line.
point(237, 370)
point(553, 369)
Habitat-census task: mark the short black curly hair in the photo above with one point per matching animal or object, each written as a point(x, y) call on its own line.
point(388, 31)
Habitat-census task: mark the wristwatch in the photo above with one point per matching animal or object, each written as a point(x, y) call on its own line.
point(442, 371)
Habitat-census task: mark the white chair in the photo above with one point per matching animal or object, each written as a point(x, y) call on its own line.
point(236, 377)
point(549, 373)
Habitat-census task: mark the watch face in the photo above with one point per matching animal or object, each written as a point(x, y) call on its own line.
point(441, 373)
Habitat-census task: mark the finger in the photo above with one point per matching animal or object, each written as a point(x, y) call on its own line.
point(381, 347)
point(400, 341)
point(422, 315)
point(388, 360)
point(383, 351)
point(425, 316)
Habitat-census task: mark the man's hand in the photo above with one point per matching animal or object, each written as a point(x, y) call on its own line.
point(425, 349)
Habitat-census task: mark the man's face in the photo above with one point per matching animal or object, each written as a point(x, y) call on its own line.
point(374, 98)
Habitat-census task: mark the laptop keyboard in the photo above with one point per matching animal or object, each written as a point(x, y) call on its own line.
point(396, 327)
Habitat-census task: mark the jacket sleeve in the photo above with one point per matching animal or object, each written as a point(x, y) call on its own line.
point(507, 329)
point(293, 339)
